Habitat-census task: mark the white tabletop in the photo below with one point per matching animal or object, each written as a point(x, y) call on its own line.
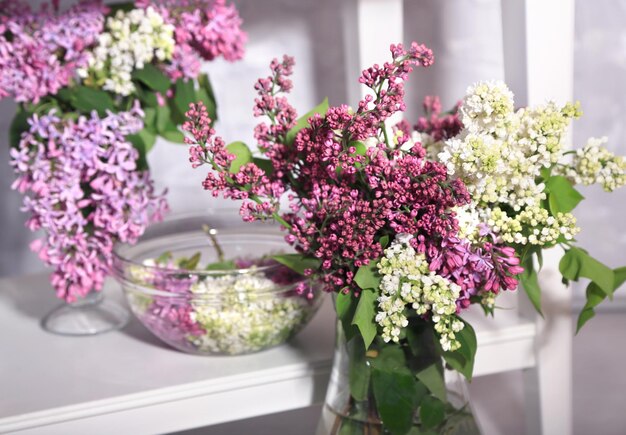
point(128, 379)
point(55, 384)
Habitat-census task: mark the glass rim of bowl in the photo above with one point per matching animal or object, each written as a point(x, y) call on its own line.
point(192, 238)
point(204, 297)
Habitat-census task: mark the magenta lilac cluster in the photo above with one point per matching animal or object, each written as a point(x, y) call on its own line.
point(440, 126)
point(346, 197)
point(40, 50)
point(84, 190)
point(204, 29)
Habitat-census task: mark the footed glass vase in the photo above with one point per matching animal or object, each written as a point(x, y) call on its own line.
point(90, 315)
point(394, 389)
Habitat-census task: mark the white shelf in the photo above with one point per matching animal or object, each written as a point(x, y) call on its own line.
point(129, 380)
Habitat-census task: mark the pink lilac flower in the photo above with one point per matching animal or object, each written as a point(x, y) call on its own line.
point(41, 50)
point(205, 28)
point(344, 199)
point(84, 190)
point(440, 126)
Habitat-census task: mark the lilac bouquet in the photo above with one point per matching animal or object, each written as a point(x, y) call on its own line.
point(408, 229)
point(96, 85)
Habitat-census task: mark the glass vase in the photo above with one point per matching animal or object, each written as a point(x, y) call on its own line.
point(343, 413)
point(90, 315)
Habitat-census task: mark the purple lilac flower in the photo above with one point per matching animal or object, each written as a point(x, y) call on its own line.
point(205, 28)
point(41, 50)
point(85, 192)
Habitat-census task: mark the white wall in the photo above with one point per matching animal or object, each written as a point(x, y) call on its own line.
point(466, 38)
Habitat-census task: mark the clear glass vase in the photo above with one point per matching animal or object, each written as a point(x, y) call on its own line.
point(343, 414)
point(90, 315)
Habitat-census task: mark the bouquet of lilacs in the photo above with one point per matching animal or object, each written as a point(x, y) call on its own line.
point(96, 85)
point(406, 228)
point(521, 177)
point(375, 221)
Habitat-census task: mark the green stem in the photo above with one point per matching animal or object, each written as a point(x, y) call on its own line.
point(212, 232)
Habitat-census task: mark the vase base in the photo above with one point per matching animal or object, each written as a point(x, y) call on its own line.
point(92, 315)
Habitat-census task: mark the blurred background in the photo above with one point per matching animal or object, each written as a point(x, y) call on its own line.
point(465, 36)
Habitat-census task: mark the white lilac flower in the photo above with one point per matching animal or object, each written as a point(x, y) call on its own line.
point(408, 282)
point(533, 225)
point(595, 164)
point(248, 316)
point(500, 156)
point(469, 218)
point(487, 107)
point(131, 40)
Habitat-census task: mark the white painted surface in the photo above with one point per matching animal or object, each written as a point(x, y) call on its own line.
point(128, 379)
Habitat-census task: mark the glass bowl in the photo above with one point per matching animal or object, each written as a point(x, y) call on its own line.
point(245, 304)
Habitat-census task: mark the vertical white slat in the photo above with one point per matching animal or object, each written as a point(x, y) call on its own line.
point(538, 39)
point(370, 27)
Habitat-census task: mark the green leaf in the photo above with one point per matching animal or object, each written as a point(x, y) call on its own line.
point(147, 97)
point(462, 360)
point(395, 393)
point(125, 6)
point(209, 103)
point(190, 263)
point(367, 276)
point(87, 99)
point(207, 95)
point(18, 126)
point(173, 136)
point(350, 426)
point(364, 316)
point(345, 306)
point(297, 262)
point(342, 303)
point(432, 412)
point(569, 266)
point(389, 357)
point(432, 378)
point(384, 241)
point(205, 83)
point(563, 197)
point(152, 77)
point(576, 263)
point(264, 164)
point(162, 118)
point(221, 265)
point(595, 295)
point(361, 148)
point(184, 95)
point(242, 155)
point(164, 258)
point(619, 275)
point(143, 141)
point(165, 126)
point(149, 117)
point(598, 272)
point(359, 370)
point(303, 122)
point(530, 283)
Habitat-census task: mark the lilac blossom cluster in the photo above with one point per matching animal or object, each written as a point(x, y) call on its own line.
point(347, 198)
point(84, 190)
point(440, 126)
point(204, 29)
point(40, 50)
